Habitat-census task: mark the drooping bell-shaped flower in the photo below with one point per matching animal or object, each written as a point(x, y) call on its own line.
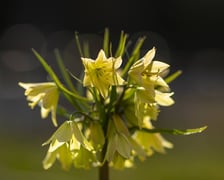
point(118, 139)
point(121, 145)
point(96, 135)
point(67, 145)
point(150, 142)
point(44, 94)
point(62, 153)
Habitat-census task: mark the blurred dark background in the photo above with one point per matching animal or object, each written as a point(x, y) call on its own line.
point(188, 34)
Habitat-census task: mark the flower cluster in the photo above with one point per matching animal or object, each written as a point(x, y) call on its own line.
point(113, 123)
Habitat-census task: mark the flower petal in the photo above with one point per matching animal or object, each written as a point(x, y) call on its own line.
point(158, 66)
point(147, 59)
point(164, 99)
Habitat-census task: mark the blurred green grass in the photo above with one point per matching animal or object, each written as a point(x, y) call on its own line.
point(193, 157)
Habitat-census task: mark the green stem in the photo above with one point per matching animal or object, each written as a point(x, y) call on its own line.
point(104, 170)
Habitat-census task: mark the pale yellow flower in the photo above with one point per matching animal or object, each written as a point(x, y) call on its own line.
point(146, 72)
point(120, 144)
point(44, 94)
point(118, 139)
point(96, 135)
point(151, 142)
point(164, 99)
point(147, 75)
point(69, 146)
point(62, 153)
point(101, 73)
point(85, 158)
point(68, 132)
point(119, 162)
point(146, 105)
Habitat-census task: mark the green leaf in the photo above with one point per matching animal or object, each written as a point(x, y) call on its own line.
point(76, 78)
point(121, 45)
point(86, 51)
point(47, 68)
point(78, 44)
point(173, 131)
point(106, 42)
point(63, 70)
point(173, 76)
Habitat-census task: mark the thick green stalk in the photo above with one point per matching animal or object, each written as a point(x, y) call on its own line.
point(104, 170)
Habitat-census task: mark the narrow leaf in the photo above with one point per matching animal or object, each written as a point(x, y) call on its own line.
point(174, 131)
point(106, 42)
point(47, 67)
point(63, 70)
point(78, 44)
point(86, 51)
point(173, 76)
point(121, 45)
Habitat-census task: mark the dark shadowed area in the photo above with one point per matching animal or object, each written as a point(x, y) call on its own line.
point(187, 34)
